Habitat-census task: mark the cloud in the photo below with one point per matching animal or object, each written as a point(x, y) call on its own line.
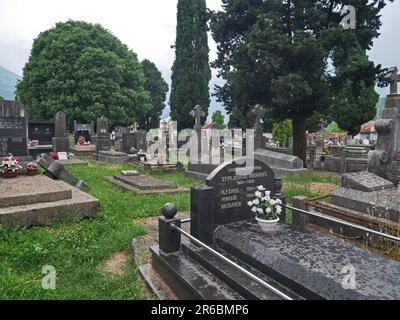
point(147, 27)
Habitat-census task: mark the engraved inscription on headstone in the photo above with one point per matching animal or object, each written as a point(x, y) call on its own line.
point(234, 185)
point(13, 129)
point(225, 196)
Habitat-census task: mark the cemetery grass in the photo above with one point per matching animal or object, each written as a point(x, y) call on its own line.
point(78, 250)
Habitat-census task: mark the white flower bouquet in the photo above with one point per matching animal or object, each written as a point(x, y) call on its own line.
point(9, 164)
point(264, 207)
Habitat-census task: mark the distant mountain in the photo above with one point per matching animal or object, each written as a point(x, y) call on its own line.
point(8, 81)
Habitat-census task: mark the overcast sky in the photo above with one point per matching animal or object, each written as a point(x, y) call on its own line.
point(146, 26)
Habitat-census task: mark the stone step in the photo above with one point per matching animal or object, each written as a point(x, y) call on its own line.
point(26, 190)
point(236, 279)
point(80, 205)
point(313, 265)
point(188, 279)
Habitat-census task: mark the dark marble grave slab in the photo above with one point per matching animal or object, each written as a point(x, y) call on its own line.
point(313, 265)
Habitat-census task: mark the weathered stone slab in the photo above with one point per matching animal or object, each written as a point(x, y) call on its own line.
point(314, 264)
point(111, 156)
point(130, 173)
point(79, 206)
point(365, 181)
point(145, 182)
point(383, 203)
point(281, 163)
point(25, 190)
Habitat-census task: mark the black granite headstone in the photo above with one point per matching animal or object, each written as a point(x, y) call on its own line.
point(129, 143)
point(84, 129)
point(60, 141)
point(224, 197)
point(103, 140)
point(13, 129)
point(41, 130)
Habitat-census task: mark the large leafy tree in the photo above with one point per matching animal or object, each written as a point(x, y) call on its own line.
point(191, 71)
point(85, 71)
point(218, 120)
point(158, 88)
point(294, 57)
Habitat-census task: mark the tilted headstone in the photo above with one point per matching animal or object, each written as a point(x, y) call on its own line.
point(384, 161)
point(56, 170)
point(224, 197)
point(13, 129)
point(365, 181)
point(60, 141)
point(103, 140)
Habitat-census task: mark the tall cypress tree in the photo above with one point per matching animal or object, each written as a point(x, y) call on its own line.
point(282, 53)
point(191, 71)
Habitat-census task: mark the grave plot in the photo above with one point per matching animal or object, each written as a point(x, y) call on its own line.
point(167, 167)
point(34, 201)
point(227, 255)
point(133, 181)
point(369, 198)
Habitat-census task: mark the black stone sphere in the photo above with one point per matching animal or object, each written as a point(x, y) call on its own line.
point(169, 210)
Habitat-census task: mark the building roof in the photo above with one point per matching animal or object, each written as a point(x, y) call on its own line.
point(209, 126)
point(368, 127)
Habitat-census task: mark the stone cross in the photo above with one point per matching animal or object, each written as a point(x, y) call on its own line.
point(322, 124)
point(393, 78)
point(197, 113)
point(259, 112)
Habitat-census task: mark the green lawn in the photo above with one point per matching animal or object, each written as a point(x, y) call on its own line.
point(77, 249)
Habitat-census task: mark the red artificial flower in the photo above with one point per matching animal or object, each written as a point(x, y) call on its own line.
point(54, 156)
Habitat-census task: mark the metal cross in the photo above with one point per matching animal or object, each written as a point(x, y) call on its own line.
point(197, 113)
point(393, 78)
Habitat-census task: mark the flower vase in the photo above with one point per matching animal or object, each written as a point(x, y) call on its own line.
point(10, 174)
point(32, 172)
point(267, 225)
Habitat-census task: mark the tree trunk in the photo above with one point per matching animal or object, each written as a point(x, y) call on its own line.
point(299, 138)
